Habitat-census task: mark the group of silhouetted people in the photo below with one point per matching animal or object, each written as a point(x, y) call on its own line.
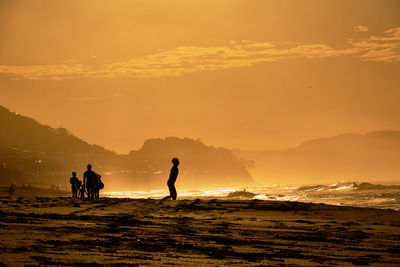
point(92, 183)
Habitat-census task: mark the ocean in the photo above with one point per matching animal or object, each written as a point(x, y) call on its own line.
point(343, 194)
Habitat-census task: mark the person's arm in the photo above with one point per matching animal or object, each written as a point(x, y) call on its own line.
point(84, 179)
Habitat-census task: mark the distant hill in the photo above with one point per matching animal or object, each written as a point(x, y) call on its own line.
point(373, 156)
point(31, 152)
point(18, 131)
point(202, 165)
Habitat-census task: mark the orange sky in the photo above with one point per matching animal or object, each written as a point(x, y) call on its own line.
point(235, 73)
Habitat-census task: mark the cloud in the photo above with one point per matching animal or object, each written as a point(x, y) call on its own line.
point(382, 48)
point(93, 98)
point(174, 62)
point(44, 72)
point(360, 28)
point(187, 59)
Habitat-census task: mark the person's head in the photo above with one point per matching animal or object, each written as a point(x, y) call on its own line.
point(73, 174)
point(175, 161)
point(89, 167)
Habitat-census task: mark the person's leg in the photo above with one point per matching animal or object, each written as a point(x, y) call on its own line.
point(165, 198)
point(92, 191)
point(89, 192)
point(168, 197)
point(172, 191)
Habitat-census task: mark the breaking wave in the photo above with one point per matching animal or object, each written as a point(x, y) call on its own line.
point(348, 186)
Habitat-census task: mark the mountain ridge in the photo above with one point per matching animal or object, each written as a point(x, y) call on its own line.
point(41, 138)
point(366, 157)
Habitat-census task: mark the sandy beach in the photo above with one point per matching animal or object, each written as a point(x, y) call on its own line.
point(61, 231)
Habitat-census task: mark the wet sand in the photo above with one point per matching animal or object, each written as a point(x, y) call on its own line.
point(109, 231)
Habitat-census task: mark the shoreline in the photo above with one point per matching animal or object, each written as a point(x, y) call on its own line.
point(51, 193)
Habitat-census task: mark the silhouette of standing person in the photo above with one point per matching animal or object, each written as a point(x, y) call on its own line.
point(74, 185)
point(90, 181)
point(172, 178)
